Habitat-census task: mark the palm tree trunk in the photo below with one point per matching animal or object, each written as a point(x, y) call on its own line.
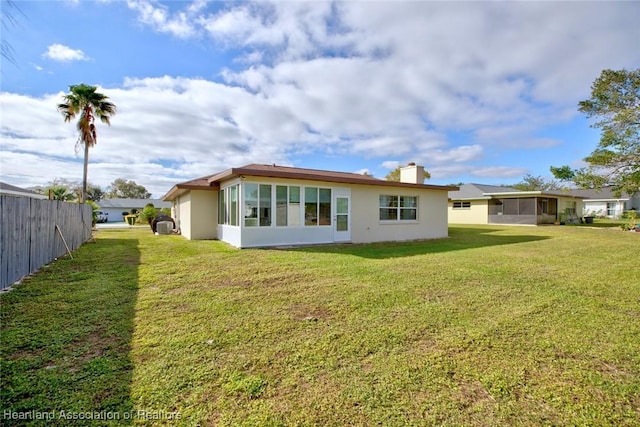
point(84, 176)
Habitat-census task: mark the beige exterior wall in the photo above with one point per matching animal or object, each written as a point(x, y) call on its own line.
point(478, 213)
point(204, 214)
point(197, 214)
point(366, 224)
point(565, 202)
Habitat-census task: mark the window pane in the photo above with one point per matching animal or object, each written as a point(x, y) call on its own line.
point(293, 212)
point(325, 195)
point(294, 194)
point(388, 201)
point(408, 214)
point(265, 205)
point(342, 223)
point(311, 206)
point(388, 214)
point(233, 210)
point(324, 216)
point(281, 205)
point(221, 207)
point(251, 205)
point(342, 205)
point(408, 202)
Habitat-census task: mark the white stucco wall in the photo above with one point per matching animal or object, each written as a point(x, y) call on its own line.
point(366, 224)
point(477, 213)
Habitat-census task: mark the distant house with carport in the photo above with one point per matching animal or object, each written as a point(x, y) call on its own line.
point(268, 205)
point(491, 204)
point(603, 202)
point(115, 207)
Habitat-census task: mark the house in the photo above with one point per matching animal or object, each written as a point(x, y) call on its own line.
point(491, 204)
point(115, 207)
point(12, 190)
point(267, 205)
point(603, 202)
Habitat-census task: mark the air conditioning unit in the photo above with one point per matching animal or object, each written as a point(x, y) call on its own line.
point(164, 227)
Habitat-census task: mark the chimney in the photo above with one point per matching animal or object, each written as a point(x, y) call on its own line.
point(412, 174)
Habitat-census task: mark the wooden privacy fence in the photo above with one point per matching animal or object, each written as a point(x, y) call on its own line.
point(32, 233)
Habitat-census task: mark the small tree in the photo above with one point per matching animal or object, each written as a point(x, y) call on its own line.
point(148, 213)
point(94, 211)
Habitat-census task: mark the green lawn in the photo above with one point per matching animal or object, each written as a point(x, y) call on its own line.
point(495, 325)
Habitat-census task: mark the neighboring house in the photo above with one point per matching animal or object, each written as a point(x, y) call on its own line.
point(12, 190)
point(115, 207)
point(490, 204)
point(603, 202)
point(268, 205)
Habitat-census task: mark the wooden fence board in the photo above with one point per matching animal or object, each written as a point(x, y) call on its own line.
point(28, 237)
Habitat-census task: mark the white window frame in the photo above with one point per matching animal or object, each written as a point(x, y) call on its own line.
point(462, 205)
point(398, 209)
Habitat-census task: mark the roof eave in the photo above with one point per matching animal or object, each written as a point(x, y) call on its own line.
point(240, 172)
point(179, 189)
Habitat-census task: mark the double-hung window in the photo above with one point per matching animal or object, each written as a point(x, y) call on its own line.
point(398, 208)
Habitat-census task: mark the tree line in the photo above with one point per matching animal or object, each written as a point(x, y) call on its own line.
point(65, 190)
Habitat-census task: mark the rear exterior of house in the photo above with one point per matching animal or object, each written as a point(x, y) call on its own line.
point(603, 202)
point(488, 204)
point(269, 205)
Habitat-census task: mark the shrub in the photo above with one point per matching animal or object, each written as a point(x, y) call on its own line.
point(632, 218)
point(148, 213)
point(94, 211)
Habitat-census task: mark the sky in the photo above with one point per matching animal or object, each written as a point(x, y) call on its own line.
point(477, 92)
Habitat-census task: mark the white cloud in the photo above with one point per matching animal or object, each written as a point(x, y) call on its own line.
point(62, 53)
point(158, 17)
point(388, 81)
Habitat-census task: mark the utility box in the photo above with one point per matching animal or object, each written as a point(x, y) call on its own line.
point(164, 227)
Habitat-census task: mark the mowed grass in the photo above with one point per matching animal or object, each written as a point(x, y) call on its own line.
point(492, 326)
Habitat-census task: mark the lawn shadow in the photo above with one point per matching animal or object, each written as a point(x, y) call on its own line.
point(66, 338)
point(460, 238)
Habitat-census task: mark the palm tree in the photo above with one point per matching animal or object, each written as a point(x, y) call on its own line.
point(59, 192)
point(84, 100)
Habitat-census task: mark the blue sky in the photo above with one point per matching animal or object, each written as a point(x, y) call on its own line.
point(481, 92)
